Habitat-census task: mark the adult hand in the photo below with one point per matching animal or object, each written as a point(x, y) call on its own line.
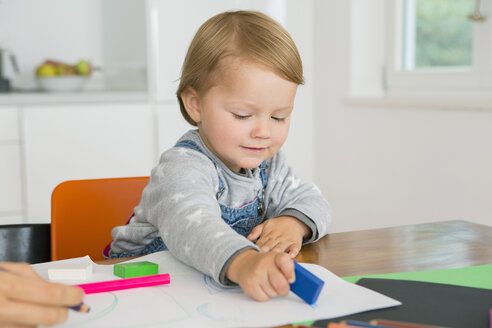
point(27, 300)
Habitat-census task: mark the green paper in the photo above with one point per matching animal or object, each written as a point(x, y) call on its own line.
point(135, 269)
point(304, 323)
point(479, 276)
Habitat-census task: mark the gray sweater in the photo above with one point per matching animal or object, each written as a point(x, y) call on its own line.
point(193, 199)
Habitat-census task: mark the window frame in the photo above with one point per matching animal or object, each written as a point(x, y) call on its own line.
point(473, 82)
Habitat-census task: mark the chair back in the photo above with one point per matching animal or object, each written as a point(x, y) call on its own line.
point(25, 243)
point(83, 213)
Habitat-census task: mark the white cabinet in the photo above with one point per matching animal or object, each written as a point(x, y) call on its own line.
point(65, 142)
point(10, 167)
point(9, 124)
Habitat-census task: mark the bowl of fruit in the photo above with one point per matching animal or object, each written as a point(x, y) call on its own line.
point(56, 76)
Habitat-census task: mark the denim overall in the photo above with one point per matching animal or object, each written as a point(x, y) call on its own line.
point(242, 219)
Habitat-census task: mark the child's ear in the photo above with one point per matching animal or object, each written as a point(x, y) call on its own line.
point(191, 102)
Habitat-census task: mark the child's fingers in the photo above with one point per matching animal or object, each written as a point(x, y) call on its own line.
point(291, 249)
point(286, 266)
point(264, 242)
point(268, 289)
point(268, 245)
point(279, 283)
point(256, 292)
point(294, 249)
point(256, 232)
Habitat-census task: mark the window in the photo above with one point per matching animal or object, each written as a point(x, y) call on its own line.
point(437, 34)
point(439, 47)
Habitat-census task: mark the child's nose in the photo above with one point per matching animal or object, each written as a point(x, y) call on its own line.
point(261, 129)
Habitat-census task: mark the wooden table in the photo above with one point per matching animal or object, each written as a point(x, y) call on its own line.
point(418, 247)
point(428, 246)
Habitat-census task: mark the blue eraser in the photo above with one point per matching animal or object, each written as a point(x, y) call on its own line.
point(307, 286)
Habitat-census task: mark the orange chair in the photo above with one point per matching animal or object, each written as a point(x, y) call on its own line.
point(83, 213)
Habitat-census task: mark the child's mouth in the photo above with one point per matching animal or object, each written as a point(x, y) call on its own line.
point(254, 149)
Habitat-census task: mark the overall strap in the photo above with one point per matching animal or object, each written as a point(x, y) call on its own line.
point(263, 173)
point(261, 194)
point(190, 144)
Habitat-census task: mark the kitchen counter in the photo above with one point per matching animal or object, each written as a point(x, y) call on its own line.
point(44, 98)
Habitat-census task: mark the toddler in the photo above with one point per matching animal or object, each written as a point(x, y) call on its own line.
point(223, 199)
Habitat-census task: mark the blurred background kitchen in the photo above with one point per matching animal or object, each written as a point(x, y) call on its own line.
point(394, 123)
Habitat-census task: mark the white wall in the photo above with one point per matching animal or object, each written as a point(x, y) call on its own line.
point(299, 146)
point(384, 166)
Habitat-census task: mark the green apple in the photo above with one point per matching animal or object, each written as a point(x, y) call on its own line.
point(83, 67)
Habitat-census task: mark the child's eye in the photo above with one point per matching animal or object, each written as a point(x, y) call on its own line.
point(240, 117)
point(279, 119)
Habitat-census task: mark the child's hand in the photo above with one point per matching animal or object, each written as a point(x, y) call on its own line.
point(282, 234)
point(262, 275)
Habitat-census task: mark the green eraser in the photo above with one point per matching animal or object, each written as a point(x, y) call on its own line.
point(135, 269)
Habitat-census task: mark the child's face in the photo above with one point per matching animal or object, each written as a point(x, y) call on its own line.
point(244, 118)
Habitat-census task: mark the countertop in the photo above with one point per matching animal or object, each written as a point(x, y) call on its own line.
point(44, 98)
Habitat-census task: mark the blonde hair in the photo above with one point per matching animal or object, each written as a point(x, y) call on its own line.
point(246, 34)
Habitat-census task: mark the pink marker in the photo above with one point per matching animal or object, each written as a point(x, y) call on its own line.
point(120, 284)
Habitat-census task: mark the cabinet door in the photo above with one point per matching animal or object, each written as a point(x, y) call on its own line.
point(11, 184)
point(10, 167)
point(83, 142)
point(9, 125)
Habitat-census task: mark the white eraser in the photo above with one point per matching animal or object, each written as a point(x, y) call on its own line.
point(76, 271)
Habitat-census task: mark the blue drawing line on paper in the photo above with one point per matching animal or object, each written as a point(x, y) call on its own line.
point(221, 311)
point(90, 317)
point(214, 288)
point(165, 322)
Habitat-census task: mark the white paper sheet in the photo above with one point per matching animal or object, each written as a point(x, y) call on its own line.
point(195, 300)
